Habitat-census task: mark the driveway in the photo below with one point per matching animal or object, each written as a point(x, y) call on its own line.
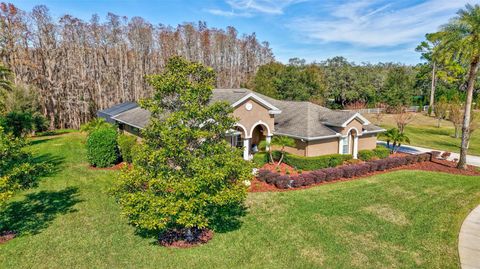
point(472, 160)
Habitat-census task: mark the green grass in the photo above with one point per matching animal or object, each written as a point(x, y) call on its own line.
point(400, 219)
point(423, 132)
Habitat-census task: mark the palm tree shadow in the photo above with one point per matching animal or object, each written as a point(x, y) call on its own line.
point(35, 213)
point(53, 161)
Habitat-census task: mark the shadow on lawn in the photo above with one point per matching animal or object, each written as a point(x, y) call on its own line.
point(37, 210)
point(53, 161)
point(41, 140)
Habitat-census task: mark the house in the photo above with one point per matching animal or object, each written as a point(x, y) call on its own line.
point(316, 130)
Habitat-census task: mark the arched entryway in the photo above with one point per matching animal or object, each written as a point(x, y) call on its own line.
point(349, 143)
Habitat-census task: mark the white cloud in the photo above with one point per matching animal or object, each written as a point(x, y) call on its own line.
point(247, 8)
point(376, 22)
point(226, 13)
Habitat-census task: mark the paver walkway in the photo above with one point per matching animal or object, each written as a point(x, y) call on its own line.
point(469, 241)
point(471, 160)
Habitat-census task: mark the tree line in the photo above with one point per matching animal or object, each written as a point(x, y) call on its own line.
point(78, 67)
point(340, 83)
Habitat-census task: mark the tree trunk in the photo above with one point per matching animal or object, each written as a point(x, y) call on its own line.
point(432, 91)
point(472, 75)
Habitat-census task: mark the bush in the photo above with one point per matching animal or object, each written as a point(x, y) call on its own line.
point(272, 177)
point(333, 173)
point(297, 181)
point(102, 149)
point(262, 174)
point(362, 169)
point(381, 152)
point(349, 171)
point(319, 176)
point(373, 166)
point(283, 182)
point(366, 154)
point(313, 163)
point(435, 154)
point(125, 145)
point(260, 159)
point(308, 179)
point(381, 164)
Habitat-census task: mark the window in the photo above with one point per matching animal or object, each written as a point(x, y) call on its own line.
point(345, 144)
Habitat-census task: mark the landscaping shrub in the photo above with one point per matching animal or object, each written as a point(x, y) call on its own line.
point(272, 177)
point(366, 154)
point(260, 159)
point(313, 163)
point(381, 152)
point(333, 173)
point(381, 164)
point(362, 169)
point(410, 159)
point(319, 176)
point(349, 171)
point(308, 179)
point(125, 145)
point(262, 174)
point(373, 166)
point(297, 181)
point(282, 182)
point(435, 154)
point(102, 149)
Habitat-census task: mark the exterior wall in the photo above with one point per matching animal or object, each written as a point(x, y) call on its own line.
point(299, 149)
point(322, 147)
point(248, 118)
point(367, 141)
point(353, 124)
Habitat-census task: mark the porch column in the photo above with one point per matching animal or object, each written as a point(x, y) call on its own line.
point(246, 148)
point(355, 146)
point(268, 139)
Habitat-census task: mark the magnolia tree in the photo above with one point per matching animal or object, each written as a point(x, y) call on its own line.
point(185, 178)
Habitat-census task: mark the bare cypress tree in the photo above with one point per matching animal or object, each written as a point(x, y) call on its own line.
point(81, 66)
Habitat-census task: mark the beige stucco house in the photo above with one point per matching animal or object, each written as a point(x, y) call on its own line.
point(317, 130)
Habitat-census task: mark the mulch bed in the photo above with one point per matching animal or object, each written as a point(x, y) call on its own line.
point(432, 166)
point(115, 167)
point(175, 239)
point(7, 236)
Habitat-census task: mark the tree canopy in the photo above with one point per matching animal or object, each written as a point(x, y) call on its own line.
point(185, 177)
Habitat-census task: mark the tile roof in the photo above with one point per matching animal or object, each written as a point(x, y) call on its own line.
point(298, 119)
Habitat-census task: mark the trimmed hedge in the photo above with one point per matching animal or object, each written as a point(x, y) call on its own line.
point(335, 173)
point(102, 149)
point(368, 155)
point(126, 144)
point(313, 163)
point(381, 152)
point(260, 158)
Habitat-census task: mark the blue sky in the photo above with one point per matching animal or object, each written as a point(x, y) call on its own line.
point(362, 31)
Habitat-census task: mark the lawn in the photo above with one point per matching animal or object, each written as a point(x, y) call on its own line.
point(423, 132)
point(399, 219)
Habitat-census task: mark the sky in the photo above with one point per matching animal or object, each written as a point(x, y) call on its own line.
point(315, 30)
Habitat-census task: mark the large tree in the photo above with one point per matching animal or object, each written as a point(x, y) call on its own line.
point(185, 178)
point(460, 40)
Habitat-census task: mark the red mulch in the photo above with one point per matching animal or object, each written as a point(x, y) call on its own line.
point(7, 236)
point(115, 167)
point(433, 166)
point(283, 168)
point(175, 239)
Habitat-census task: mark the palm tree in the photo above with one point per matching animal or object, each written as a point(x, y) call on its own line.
point(5, 76)
point(397, 138)
point(280, 141)
point(460, 40)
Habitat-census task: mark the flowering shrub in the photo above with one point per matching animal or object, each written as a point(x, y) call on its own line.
point(330, 174)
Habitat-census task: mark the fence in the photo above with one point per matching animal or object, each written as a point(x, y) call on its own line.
point(381, 109)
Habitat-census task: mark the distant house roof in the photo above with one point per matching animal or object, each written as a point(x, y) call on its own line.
point(303, 120)
point(108, 113)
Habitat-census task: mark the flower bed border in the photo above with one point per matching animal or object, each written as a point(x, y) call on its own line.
point(284, 182)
